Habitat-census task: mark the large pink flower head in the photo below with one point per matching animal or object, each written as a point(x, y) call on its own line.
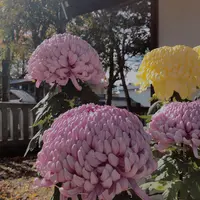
point(177, 123)
point(65, 57)
point(95, 151)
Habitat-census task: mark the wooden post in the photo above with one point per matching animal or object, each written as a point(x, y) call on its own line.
point(29, 89)
point(154, 30)
point(5, 80)
point(154, 24)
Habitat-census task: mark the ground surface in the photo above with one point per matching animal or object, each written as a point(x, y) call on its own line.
point(16, 180)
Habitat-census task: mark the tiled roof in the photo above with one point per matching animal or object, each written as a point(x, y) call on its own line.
point(19, 81)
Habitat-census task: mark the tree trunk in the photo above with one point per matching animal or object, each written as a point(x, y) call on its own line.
point(23, 64)
point(6, 79)
point(152, 93)
point(111, 76)
point(109, 94)
point(128, 99)
point(36, 40)
point(121, 65)
point(61, 28)
point(61, 21)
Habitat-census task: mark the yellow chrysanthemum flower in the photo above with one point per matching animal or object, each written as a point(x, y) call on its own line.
point(197, 49)
point(170, 69)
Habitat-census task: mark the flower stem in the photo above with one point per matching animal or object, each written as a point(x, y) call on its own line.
point(56, 194)
point(182, 155)
point(126, 196)
point(179, 192)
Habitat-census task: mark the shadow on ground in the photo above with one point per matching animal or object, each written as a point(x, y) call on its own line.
point(12, 168)
point(16, 180)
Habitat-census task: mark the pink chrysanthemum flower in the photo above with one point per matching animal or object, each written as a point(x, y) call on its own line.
point(62, 58)
point(95, 151)
point(177, 123)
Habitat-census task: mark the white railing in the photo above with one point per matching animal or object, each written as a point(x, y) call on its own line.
point(15, 124)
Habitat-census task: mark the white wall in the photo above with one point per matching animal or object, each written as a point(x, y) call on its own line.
point(179, 22)
point(119, 103)
point(98, 89)
point(142, 98)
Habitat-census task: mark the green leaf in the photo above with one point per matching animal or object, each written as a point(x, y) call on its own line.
point(56, 194)
point(51, 93)
point(192, 182)
point(158, 186)
point(147, 118)
point(164, 176)
point(166, 164)
point(195, 190)
point(184, 192)
point(155, 107)
point(33, 143)
point(43, 120)
point(42, 115)
point(172, 190)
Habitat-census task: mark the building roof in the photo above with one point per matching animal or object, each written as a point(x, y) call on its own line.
point(120, 100)
point(74, 8)
point(19, 81)
point(23, 96)
point(130, 87)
